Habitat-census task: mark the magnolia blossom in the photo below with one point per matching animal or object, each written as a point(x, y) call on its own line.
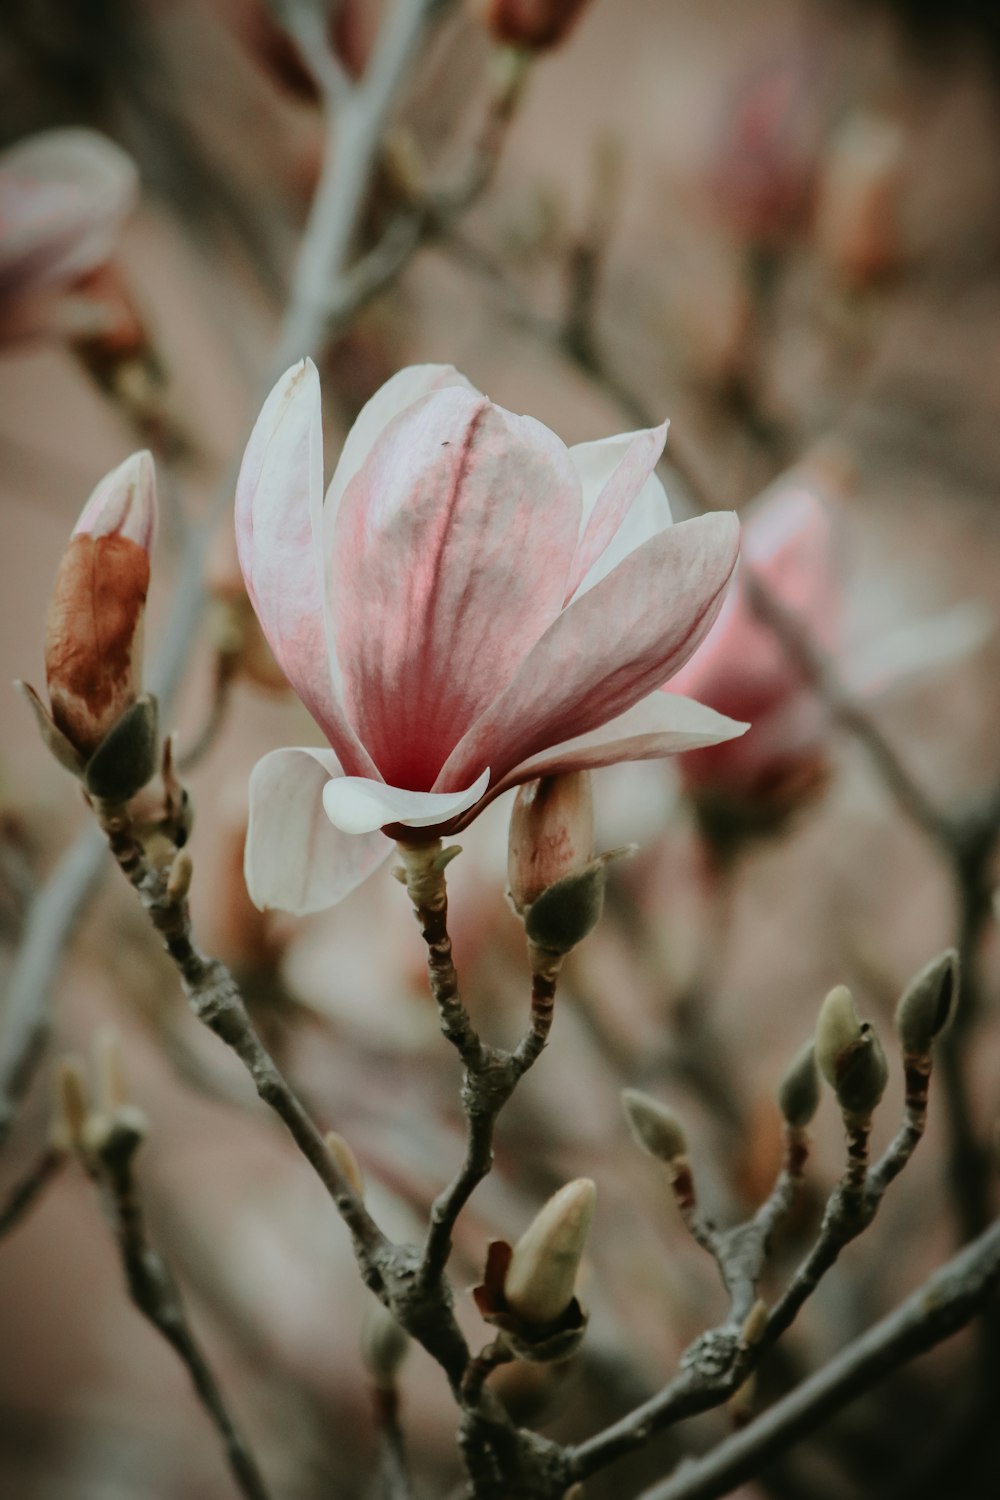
point(64, 196)
point(745, 670)
point(472, 606)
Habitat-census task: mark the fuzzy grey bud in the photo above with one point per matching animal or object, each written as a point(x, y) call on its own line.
point(927, 1003)
point(564, 914)
point(798, 1091)
point(655, 1128)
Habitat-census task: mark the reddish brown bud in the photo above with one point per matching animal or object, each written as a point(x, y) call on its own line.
point(93, 634)
point(531, 24)
point(551, 834)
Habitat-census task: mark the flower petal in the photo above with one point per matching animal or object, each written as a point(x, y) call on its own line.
point(278, 501)
point(612, 646)
point(614, 473)
point(357, 805)
point(295, 859)
point(451, 552)
point(660, 725)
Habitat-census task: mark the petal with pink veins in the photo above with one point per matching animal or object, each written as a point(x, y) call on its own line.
point(356, 805)
point(660, 725)
point(611, 647)
point(278, 501)
point(295, 859)
point(614, 472)
point(451, 552)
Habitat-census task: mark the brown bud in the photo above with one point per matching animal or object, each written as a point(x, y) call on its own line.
point(654, 1127)
point(531, 24)
point(551, 834)
point(798, 1091)
point(93, 635)
point(541, 1276)
point(927, 1003)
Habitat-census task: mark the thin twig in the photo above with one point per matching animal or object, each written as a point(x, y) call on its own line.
point(395, 1480)
point(30, 1187)
point(949, 1300)
point(155, 1293)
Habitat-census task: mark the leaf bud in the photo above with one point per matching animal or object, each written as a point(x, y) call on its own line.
point(346, 1161)
point(849, 1054)
point(927, 1003)
point(655, 1128)
point(541, 1277)
point(551, 834)
point(798, 1091)
point(384, 1344)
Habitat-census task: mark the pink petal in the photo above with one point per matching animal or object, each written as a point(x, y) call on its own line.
point(295, 859)
point(357, 805)
point(450, 557)
point(612, 646)
point(279, 496)
point(612, 473)
point(124, 503)
point(660, 725)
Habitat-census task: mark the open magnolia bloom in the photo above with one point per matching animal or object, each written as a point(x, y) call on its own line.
point(472, 605)
point(64, 197)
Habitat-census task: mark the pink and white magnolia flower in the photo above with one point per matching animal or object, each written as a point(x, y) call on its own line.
point(64, 197)
point(472, 605)
point(744, 669)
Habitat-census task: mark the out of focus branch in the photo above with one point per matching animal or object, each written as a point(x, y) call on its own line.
point(949, 1300)
point(155, 1294)
point(30, 1187)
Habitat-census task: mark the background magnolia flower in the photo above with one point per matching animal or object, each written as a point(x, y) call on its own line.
point(743, 669)
point(473, 605)
point(64, 196)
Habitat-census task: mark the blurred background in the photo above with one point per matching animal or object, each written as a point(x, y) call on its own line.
point(777, 225)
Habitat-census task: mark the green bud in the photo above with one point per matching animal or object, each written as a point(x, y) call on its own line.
point(655, 1128)
point(927, 1003)
point(564, 914)
point(798, 1091)
point(837, 1028)
point(126, 758)
point(849, 1054)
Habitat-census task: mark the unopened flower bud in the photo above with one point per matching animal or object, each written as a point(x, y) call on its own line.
point(72, 1104)
point(654, 1127)
point(531, 24)
point(849, 1054)
point(346, 1161)
point(384, 1344)
point(927, 1003)
point(564, 914)
point(551, 834)
point(798, 1091)
point(541, 1277)
point(93, 637)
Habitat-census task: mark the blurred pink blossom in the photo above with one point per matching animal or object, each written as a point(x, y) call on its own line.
point(744, 670)
point(64, 197)
point(474, 605)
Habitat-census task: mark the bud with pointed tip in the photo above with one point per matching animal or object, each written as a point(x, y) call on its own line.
point(798, 1091)
point(927, 1003)
point(530, 24)
point(849, 1054)
point(655, 1128)
point(346, 1161)
point(541, 1277)
point(551, 834)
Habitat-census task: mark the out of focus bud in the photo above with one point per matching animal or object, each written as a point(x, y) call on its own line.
point(654, 1127)
point(927, 1003)
point(533, 25)
point(100, 727)
point(798, 1091)
point(384, 1345)
point(347, 1162)
point(551, 834)
point(857, 227)
point(72, 1104)
point(541, 1277)
point(849, 1054)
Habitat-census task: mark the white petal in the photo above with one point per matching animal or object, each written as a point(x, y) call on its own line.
point(357, 805)
point(295, 860)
